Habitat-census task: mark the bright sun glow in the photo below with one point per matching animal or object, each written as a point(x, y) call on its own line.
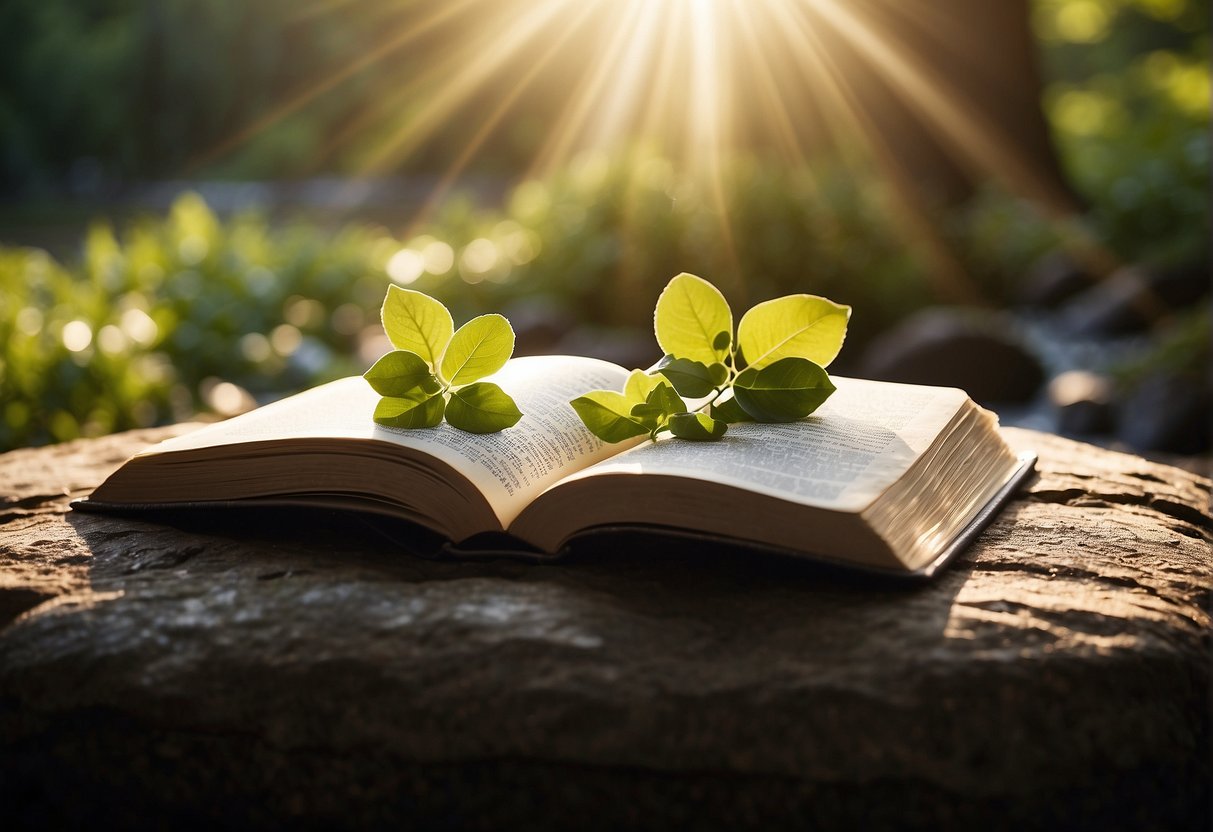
point(694, 80)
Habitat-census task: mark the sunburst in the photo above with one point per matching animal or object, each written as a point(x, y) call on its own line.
point(698, 80)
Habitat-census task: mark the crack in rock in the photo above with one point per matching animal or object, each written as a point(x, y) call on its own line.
point(1079, 498)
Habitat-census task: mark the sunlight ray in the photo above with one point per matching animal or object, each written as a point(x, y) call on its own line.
point(849, 120)
point(709, 102)
point(586, 96)
point(385, 108)
point(701, 82)
point(655, 122)
point(480, 62)
point(965, 131)
point(802, 43)
point(772, 102)
point(493, 121)
point(633, 64)
point(324, 85)
point(707, 85)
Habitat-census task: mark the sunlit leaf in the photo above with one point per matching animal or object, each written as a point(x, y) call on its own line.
point(787, 390)
point(402, 412)
point(693, 325)
point(665, 397)
point(661, 403)
point(479, 348)
point(690, 378)
point(399, 373)
point(698, 427)
point(482, 407)
point(649, 414)
point(639, 385)
point(690, 314)
point(805, 326)
point(416, 322)
point(608, 415)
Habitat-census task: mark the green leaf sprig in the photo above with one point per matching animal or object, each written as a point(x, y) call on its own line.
point(772, 370)
point(435, 369)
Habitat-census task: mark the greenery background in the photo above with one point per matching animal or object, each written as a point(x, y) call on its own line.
point(147, 317)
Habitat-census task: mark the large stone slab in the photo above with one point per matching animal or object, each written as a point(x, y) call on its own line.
point(259, 668)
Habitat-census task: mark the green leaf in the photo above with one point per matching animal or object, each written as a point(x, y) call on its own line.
point(664, 397)
point(805, 326)
point(479, 348)
point(787, 390)
point(655, 411)
point(698, 427)
point(722, 340)
point(608, 415)
point(730, 411)
point(719, 373)
point(690, 314)
point(399, 373)
point(647, 413)
point(639, 385)
point(482, 407)
point(417, 323)
point(690, 378)
point(410, 412)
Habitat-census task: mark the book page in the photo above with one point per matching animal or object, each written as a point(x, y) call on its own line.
point(510, 468)
point(842, 457)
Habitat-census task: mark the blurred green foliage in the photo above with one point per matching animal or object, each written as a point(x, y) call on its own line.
point(143, 89)
point(600, 239)
point(120, 90)
point(144, 327)
point(1184, 350)
point(152, 323)
point(148, 324)
point(1129, 106)
point(1129, 109)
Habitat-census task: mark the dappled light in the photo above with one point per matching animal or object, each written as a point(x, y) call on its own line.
point(698, 81)
point(605, 414)
point(559, 160)
point(701, 82)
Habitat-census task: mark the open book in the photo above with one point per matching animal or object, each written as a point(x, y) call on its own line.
point(883, 476)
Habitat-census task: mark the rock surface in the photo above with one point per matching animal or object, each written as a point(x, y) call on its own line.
point(274, 668)
point(1052, 280)
point(1133, 298)
point(1169, 412)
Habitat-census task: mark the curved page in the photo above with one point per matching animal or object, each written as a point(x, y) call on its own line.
point(843, 457)
point(510, 468)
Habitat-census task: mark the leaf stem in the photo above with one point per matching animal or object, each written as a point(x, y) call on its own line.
point(719, 391)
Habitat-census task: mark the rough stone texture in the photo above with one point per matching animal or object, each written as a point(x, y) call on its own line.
point(275, 668)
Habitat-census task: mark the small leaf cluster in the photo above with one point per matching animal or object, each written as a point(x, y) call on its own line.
point(772, 369)
point(647, 405)
point(435, 369)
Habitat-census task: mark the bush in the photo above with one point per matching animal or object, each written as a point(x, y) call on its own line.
point(150, 323)
point(1129, 107)
point(601, 238)
point(145, 327)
